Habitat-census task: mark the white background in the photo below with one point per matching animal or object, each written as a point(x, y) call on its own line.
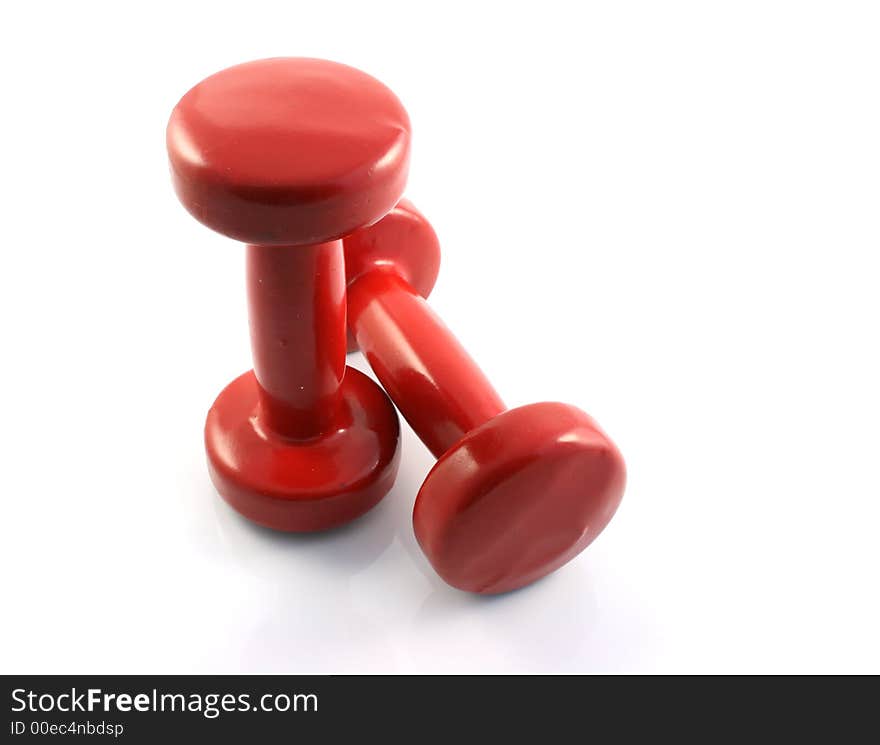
point(665, 213)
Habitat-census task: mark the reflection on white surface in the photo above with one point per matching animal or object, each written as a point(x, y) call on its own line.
point(362, 598)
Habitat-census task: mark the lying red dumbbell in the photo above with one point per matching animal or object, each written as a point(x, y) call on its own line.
point(290, 155)
point(515, 494)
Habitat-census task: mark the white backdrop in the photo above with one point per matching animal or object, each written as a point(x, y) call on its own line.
point(665, 213)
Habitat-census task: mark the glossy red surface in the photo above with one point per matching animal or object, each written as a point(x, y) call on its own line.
point(515, 494)
point(436, 385)
point(303, 485)
point(404, 240)
point(289, 150)
point(289, 155)
point(518, 497)
point(297, 328)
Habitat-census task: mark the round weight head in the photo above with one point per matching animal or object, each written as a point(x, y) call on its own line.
point(303, 485)
point(289, 151)
point(518, 497)
point(403, 241)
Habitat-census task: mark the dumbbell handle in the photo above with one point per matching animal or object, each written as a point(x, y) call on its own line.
point(436, 385)
point(296, 305)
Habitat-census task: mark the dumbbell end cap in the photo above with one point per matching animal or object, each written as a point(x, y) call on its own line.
point(518, 497)
point(288, 151)
point(310, 485)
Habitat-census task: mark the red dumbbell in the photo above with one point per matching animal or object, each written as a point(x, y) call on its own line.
point(290, 155)
point(515, 494)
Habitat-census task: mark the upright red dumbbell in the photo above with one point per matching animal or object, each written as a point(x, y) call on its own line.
point(515, 493)
point(290, 155)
